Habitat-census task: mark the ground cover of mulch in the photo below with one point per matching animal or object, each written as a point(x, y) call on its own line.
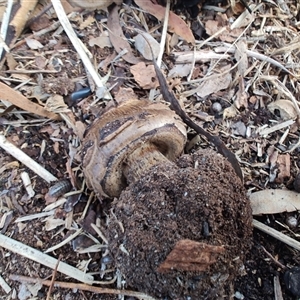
point(240, 82)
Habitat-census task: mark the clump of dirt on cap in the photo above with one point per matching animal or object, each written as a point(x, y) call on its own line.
point(200, 200)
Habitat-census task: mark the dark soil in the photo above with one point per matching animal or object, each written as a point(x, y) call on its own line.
point(202, 200)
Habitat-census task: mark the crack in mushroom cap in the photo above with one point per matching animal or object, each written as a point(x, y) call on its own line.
point(122, 130)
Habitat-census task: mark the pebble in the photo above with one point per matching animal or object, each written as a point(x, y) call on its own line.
point(297, 183)
point(216, 107)
point(292, 221)
point(292, 280)
point(143, 47)
point(238, 295)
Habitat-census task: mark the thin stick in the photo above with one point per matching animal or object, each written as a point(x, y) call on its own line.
point(4, 26)
point(25, 159)
point(276, 234)
point(53, 279)
point(83, 287)
point(164, 34)
point(4, 285)
point(77, 43)
point(44, 259)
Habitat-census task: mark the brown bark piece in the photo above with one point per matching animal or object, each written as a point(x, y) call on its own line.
point(189, 255)
point(17, 99)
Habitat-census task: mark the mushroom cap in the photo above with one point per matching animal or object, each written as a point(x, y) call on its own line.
point(119, 132)
point(94, 4)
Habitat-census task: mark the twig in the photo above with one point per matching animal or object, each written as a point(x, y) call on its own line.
point(44, 259)
point(83, 287)
point(77, 44)
point(66, 241)
point(53, 279)
point(4, 26)
point(283, 267)
point(276, 234)
point(265, 131)
point(34, 216)
point(164, 34)
point(25, 159)
point(4, 285)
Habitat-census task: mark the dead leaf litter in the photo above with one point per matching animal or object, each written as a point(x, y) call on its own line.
point(235, 71)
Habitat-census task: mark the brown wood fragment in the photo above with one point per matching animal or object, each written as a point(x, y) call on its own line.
point(189, 255)
point(17, 99)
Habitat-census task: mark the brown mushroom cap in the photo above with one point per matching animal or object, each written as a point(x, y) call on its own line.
point(122, 130)
point(94, 4)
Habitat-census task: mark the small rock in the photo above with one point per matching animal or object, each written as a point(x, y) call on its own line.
point(292, 280)
point(239, 128)
point(143, 47)
point(292, 221)
point(297, 183)
point(239, 296)
point(216, 107)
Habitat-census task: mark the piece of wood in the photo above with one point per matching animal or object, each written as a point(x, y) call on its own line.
point(4, 285)
point(17, 99)
point(191, 256)
point(277, 234)
point(83, 287)
point(44, 259)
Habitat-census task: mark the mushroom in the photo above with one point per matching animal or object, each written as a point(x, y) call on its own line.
point(94, 4)
point(127, 141)
point(186, 222)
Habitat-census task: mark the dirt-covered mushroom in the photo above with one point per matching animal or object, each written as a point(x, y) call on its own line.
point(126, 141)
point(178, 230)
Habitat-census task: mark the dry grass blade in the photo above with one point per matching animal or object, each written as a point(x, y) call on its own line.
point(277, 235)
point(4, 285)
point(77, 44)
point(25, 159)
point(43, 259)
point(64, 242)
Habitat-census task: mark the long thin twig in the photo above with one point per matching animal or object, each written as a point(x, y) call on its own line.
point(25, 159)
point(77, 44)
point(44, 259)
point(83, 287)
point(276, 234)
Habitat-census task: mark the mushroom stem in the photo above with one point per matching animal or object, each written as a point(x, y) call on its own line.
point(141, 160)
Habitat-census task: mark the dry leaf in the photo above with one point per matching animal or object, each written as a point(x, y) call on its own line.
point(56, 104)
point(284, 167)
point(100, 41)
point(147, 45)
point(230, 112)
point(214, 85)
point(176, 24)
point(285, 107)
point(33, 44)
point(241, 95)
point(124, 94)
point(8, 94)
point(87, 22)
point(212, 27)
point(274, 201)
point(189, 255)
point(144, 75)
point(241, 56)
point(117, 37)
